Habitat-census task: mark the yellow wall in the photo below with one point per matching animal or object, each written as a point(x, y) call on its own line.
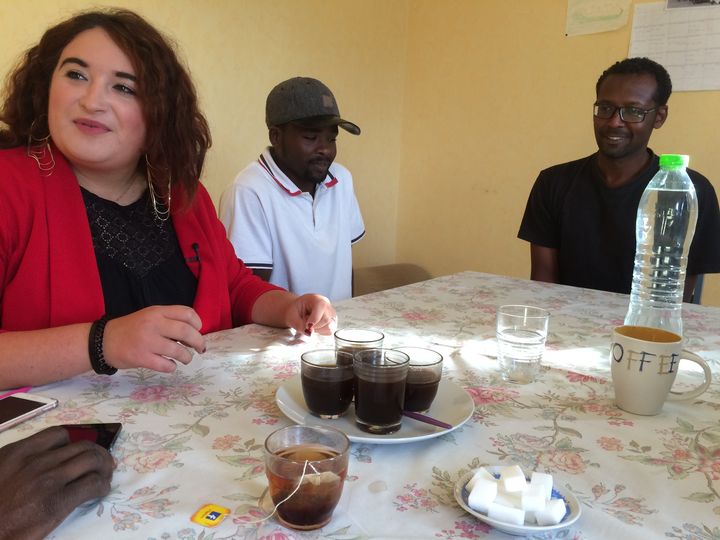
point(461, 103)
point(495, 92)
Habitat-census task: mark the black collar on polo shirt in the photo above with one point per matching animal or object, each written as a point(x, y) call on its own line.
point(265, 165)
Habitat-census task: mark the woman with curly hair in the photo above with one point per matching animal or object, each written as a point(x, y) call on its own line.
point(111, 253)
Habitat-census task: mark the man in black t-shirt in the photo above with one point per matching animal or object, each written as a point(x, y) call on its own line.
point(580, 216)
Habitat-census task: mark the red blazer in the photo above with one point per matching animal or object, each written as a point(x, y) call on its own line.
point(48, 272)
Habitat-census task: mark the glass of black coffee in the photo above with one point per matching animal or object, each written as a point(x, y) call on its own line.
point(306, 468)
point(357, 339)
point(327, 379)
point(380, 376)
point(423, 378)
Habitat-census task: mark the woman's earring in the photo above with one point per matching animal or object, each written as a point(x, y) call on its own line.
point(40, 150)
point(162, 211)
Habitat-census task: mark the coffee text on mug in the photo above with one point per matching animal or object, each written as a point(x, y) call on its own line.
point(665, 365)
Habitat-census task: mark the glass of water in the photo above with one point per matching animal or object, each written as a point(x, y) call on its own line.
point(521, 333)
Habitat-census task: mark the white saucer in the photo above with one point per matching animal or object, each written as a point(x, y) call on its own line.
point(571, 503)
point(452, 405)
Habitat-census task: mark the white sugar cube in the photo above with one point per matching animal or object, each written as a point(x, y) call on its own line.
point(533, 498)
point(483, 493)
point(480, 473)
point(530, 518)
point(511, 500)
point(552, 514)
point(513, 478)
point(506, 514)
point(544, 480)
point(503, 489)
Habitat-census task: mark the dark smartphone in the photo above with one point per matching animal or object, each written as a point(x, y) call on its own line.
point(102, 434)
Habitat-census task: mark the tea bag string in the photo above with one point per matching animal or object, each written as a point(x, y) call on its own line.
point(293, 492)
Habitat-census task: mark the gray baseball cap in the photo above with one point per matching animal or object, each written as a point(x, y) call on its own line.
point(306, 101)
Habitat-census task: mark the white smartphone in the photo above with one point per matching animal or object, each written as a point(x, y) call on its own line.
point(20, 407)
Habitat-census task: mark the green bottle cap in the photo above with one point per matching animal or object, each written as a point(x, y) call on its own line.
point(674, 161)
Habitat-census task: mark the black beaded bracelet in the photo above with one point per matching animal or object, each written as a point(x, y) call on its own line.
point(95, 348)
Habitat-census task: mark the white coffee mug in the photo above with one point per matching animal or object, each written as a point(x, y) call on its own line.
point(645, 363)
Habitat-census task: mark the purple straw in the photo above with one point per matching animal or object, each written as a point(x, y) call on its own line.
point(427, 419)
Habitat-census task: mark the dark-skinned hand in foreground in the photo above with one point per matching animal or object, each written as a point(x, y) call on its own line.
point(45, 477)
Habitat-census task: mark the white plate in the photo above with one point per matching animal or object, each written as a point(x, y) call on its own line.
point(452, 405)
point(571, 504)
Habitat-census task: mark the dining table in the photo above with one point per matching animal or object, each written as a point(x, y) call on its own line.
point(195, 436)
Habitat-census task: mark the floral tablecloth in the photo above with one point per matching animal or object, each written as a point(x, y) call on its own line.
point(195, 436)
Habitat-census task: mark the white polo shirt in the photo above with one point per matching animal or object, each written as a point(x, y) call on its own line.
point(305, 241)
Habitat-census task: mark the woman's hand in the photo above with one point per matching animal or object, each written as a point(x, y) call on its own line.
point(306, 314)
point(155, 338)
point(312, 313)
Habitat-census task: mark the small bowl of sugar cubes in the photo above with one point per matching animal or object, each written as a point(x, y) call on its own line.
point(512, 502)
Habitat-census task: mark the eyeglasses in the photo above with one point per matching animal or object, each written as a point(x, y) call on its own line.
point(632, 115)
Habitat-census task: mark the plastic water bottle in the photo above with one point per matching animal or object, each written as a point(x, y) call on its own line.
point(664, 229)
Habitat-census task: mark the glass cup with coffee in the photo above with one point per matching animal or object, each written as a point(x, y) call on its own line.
point(423, 378)
point(380, 376)
point(306, 468)
point(327, 380)
point(357, 339)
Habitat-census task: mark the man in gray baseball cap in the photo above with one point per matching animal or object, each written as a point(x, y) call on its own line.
point(304, 100)
point(292, 215)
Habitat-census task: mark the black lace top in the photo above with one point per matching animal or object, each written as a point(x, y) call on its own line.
point(138, 256)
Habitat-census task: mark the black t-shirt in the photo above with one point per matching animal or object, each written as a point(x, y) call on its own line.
point(593, 227)
point(138, 256)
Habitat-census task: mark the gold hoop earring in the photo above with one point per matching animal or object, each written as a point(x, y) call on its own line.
point(161, 214)
point(40, 150)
